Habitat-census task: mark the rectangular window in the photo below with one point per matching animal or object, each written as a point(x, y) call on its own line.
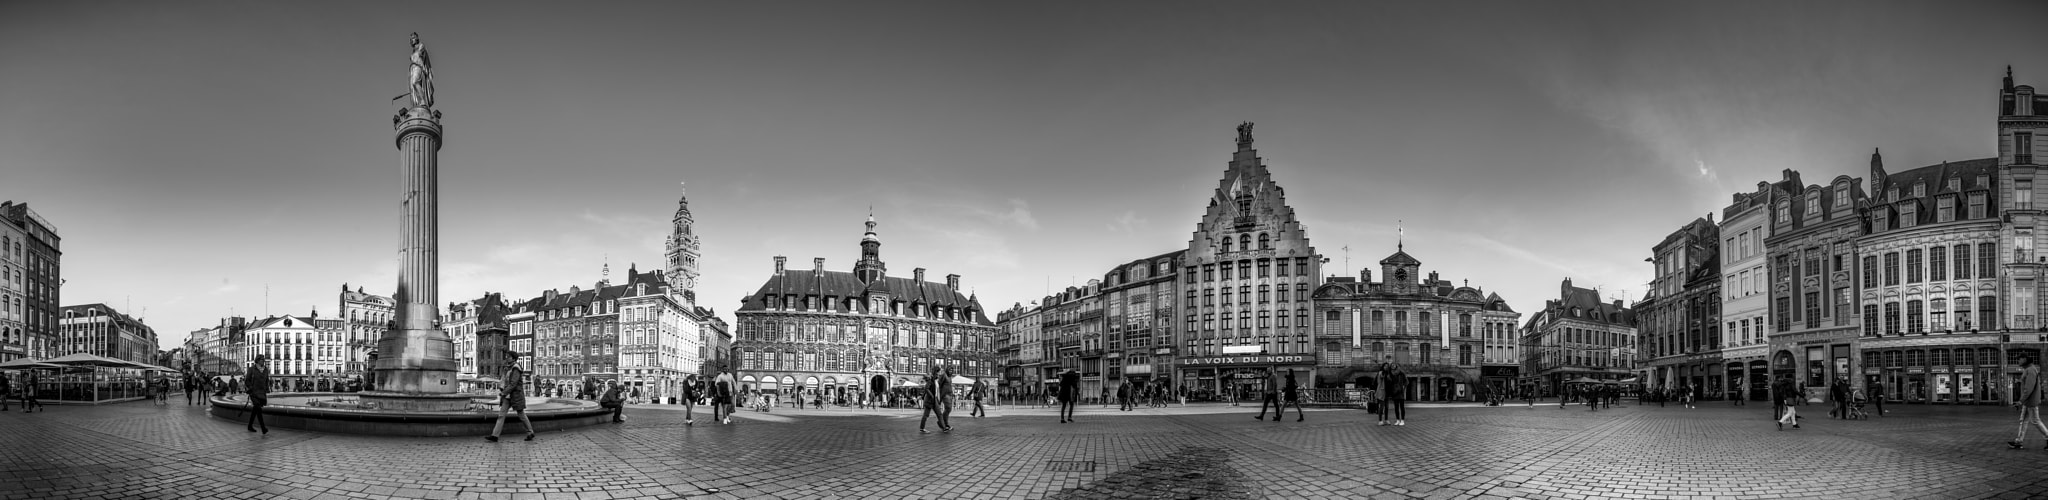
point(1963, 314)
point(1812, 309)
point(1870, 271)
point(1913, 266)
point(1909, 213)
point(2023, 147)
point(1891, 318)
point(1263, 269)
point(1870, 319)
point(1891, 269)
point(1913, 317)
point(1937, 315)
point(1987, 261)
point(1937, 264)
point(1977, 205)
point(2023, 194)
point(1946, 209)
point(1782, 315)
point(1208, 272)
point(1877, 218)
point(1226, 272)
point(1962, 266)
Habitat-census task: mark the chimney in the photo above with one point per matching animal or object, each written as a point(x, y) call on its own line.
point(917, 275)
point(1364, 275)
point(779, 261)
point(953, 281)
point(1617, 303)
point(817, 264)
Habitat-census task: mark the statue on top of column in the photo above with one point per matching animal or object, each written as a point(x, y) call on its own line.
point(1244, 133)
point(422, 74)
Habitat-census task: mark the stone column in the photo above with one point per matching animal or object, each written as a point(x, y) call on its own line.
point(416, 360)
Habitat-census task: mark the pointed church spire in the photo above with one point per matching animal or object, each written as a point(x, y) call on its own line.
point(1400, 237)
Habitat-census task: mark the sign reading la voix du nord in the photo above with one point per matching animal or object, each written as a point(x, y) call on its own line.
point(1254, 359)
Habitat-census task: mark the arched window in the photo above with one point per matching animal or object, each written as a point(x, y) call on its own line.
point(1244, 241)
point(1265, 243)
point(1226, 244)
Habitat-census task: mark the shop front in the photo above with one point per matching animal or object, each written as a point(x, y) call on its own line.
point(1958, 369)
point(1242, 376)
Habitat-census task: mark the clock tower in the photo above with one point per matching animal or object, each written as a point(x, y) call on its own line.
point(683, 250)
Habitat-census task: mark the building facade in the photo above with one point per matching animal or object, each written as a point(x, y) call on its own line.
point(1251, 266)
point(1812, 253)
point(302, 349)
point(1680, 321)
point(1138, 313)
point(1931, 266)
point(1576, 336)
point(13, 290)
point(662, 338)
point(841, 330)
point(576, 336)
point(1019, 350)
point(100, 330)
point(38, 251)
point(1434, 330)
point(1745, 305)
point(365, 319)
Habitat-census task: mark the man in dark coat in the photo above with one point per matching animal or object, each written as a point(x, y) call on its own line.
point(259, 392)
point(1876, 392)
point(1070, 389)
point(1839, 391)
point(512, 397)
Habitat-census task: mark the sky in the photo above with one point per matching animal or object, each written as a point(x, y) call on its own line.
point(208, 159)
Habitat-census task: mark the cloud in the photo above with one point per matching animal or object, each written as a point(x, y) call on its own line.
point(1128, 222)
point(1019, 214)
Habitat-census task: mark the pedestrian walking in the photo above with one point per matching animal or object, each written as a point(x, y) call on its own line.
point(692, 389)
point(978, 391)
point(946, 400)
point(614, 398)
point(6, 391)
point(191, 382)
point(1397, 393)
point(1292, 393)
point(512, 398)
point(31, 384)
point(1385, 385)
point(1785, 394)
point(1123, 396)
point(259, 392)
point(1069, 390)
point(1270, 395)
point(1105, 397)
point(931, 402)
point(721, 396)
point(1839, 391)
point(1877, 395)
point(2027, 397)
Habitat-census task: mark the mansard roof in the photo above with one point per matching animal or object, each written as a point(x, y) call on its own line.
point(844, 285)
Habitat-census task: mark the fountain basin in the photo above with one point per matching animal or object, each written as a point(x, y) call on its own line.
point(345, 413)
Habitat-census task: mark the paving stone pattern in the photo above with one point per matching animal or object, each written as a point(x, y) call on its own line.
point(136, 450)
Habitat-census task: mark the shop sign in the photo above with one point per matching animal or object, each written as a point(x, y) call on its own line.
point(12, 348)
point(1269, 359)
point(1914, 369)
point(1872, 371)
point(1498, 371)
point(1941, 369)
point(1163, 351)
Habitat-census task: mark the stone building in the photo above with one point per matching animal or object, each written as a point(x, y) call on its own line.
point(302, 349)
point(100, 330)
point(36, 256)
point(365, 319)
point(14, 338)
point(1577, 336)
point(1138, 324)
point(838, 330)
point(1251, 267)
point(1931, 265)
point(1680, 320)
point(1812, 254)
point(1020, 349)
point(1435, 331)
point(1744, 304)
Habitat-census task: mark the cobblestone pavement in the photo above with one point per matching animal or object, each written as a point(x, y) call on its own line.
point(136, 450)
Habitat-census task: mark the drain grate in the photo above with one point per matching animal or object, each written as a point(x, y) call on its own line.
point(1070, 465)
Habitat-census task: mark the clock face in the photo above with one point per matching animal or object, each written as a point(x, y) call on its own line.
point(1401, 275)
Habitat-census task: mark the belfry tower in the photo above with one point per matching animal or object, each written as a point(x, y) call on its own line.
point(684, 250)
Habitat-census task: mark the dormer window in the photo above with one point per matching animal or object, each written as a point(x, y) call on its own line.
point(1955, 184)
point(1842, 195)
point(1945, 209)
point(1909, 214)
point(1919, 190)
point(1813, 204)
point(1784, 213)
point(1877, 220)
